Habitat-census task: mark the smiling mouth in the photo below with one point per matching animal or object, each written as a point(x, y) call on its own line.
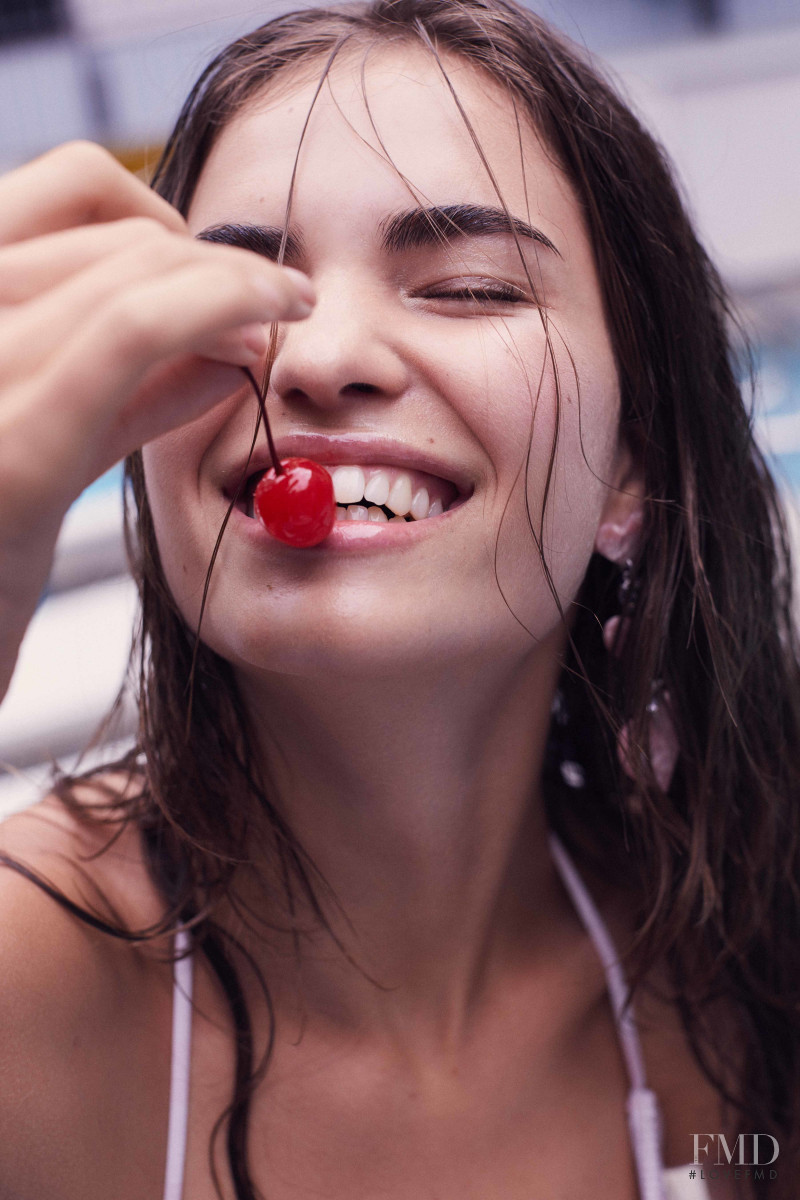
point(379, 493)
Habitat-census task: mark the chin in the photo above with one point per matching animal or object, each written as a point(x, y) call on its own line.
point(338, 648)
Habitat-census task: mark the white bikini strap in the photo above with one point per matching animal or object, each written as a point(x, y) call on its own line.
point(179, 1076)
point(644, 1120)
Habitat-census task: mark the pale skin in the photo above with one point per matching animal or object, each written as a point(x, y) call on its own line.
point(409, 706)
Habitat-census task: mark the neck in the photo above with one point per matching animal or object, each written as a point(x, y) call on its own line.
point(418, 801)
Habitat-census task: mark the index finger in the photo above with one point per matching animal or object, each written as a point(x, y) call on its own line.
point(75, 184)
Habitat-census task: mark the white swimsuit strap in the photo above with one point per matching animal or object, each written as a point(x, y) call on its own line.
point(181, 1062)
point(644, 1119)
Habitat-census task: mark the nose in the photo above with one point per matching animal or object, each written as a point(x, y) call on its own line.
point(343, 352)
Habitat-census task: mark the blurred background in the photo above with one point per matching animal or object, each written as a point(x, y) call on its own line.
point(718, 81)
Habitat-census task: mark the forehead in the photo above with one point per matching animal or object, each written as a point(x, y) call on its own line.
point(384, 130)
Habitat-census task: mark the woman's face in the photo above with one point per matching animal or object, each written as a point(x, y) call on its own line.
point(425, 357)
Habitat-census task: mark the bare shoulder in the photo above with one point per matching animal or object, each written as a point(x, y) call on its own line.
point(94, 857)
point(67, 988)
point(55, 865)
point(46, 849)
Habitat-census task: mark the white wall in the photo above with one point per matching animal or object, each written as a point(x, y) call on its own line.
point(728, 111)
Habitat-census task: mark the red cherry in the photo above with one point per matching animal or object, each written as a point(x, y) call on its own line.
point(298, 506)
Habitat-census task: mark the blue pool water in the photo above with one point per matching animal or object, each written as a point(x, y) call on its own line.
point(787, 469)
point(110, 482)
point(778, 411)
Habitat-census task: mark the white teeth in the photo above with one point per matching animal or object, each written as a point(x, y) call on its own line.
point(402, 519)
point(399, 498)
point(420, 504)
point(348, 484)
point(356, 487)
point(377, 489)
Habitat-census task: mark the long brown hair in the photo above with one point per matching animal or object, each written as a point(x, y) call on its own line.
point(713, 862)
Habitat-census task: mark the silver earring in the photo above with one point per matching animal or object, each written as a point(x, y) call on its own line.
point(662, 748)
point(560, 745)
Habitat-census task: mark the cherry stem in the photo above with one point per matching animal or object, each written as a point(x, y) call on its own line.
point(276, 462)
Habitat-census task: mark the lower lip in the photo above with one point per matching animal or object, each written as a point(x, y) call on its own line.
point(356, 535)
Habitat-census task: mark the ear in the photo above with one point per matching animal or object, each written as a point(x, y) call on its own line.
point(619, 533)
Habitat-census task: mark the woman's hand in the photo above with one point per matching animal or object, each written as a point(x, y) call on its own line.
point(115, 326)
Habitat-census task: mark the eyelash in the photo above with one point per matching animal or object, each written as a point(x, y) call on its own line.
point(497, 294)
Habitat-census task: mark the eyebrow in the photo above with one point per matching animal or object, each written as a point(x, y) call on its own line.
point(431, 226)
point(263, 239)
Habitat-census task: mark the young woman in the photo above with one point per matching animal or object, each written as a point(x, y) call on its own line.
point(411, 793)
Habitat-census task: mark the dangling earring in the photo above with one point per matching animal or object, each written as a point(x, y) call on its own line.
point(615, 542)
point(560, 747)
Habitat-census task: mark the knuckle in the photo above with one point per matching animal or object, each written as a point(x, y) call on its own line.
point(82, 156)
point(85, 172)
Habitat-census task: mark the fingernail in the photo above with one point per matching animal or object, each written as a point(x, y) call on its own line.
point(283, 307)
point(303, 285)
point(254, 338)
point(298, 309)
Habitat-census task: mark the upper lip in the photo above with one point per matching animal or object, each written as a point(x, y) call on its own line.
point(349, 449)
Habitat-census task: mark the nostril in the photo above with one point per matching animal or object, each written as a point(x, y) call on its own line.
point(296, 395)
point(364, 389)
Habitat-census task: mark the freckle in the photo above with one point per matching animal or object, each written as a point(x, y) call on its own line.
point(430, 440)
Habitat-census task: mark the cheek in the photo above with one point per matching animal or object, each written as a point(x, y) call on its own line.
point(549, 423)
point(517, 384)
point(496, 378)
